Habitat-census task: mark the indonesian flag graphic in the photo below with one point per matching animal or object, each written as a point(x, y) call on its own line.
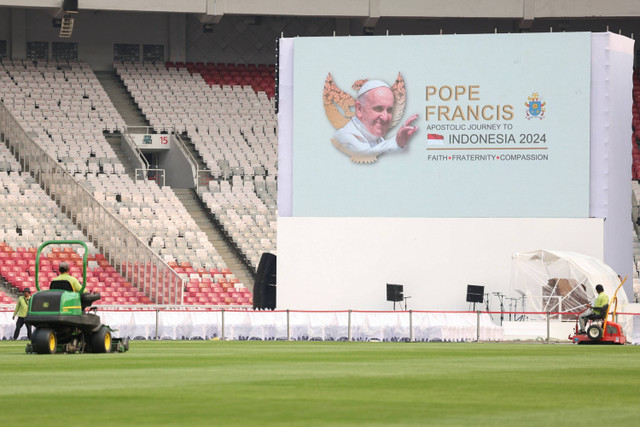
point(435, 139)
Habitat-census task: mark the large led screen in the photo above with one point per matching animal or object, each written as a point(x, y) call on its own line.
point(441, 126)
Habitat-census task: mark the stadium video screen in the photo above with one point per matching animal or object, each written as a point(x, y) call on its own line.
point(492, 125)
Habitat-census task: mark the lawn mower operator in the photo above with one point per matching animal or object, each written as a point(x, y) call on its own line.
point(601, 300)
point(63, 268)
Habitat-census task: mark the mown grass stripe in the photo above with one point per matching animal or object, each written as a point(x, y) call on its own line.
point(322, 383)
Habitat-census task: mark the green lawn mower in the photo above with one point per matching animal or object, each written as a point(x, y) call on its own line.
point(63, 319)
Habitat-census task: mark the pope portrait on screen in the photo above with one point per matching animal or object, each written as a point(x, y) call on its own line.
point(377, 107)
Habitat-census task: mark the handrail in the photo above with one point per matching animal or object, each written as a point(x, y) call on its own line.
point(126, 251)
point(129, 140)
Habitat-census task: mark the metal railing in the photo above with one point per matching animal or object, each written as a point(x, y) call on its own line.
point(133, 146)
point(238, 323)
point(201, 177)
point(187, 153)
point(124, 250)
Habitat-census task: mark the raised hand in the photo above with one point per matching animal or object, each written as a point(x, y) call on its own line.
point(405, 132)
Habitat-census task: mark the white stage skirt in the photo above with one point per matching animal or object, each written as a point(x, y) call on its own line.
point(178, 324)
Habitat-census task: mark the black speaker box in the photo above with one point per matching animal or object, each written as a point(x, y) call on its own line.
point(264, 288)
point(475, 293)
point(395, 292)
point(70, 6)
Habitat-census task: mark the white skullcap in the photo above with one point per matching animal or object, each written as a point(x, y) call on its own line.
point(370, 85)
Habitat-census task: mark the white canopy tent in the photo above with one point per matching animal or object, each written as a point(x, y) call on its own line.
point(556, 281)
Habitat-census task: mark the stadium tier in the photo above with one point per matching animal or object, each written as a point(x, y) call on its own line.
point(246, 211)
point(17, 267)
point(260, 77)
point(205, 286)
point(29, 217)
point(233, 130)
point(27, 214)
point(64, 109)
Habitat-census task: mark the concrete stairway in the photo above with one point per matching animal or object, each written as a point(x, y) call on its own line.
point(126, 106)
point(121, 98)
point(132, 116)
point(192, 149)
point(114, 141)
point(199, 214)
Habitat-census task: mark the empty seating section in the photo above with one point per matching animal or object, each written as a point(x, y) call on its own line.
point(8, 163)
point(156, 215)
point(249, 220)
point(17, 268)
point(213, 286)
point(28, 217)
point(6, 299)
point(67, 111)
point(260, 77)
point(233, 129)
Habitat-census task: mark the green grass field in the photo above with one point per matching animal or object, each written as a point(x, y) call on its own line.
point(323, 383)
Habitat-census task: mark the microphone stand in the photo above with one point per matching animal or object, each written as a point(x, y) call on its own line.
point(501, 299)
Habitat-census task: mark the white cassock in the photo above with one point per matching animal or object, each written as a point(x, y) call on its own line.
point(355, 140)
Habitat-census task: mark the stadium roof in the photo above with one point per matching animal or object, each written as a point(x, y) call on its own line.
point(367, 10)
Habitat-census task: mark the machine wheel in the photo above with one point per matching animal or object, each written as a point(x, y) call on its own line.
point(101, 341)
point(77, 344)
point(594, 333)
point(125, 343)
point(45, 341)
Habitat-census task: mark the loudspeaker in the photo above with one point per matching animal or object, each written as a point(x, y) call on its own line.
point(394, 292)
point(264, 288)
point(70, 6)
point(475, 293)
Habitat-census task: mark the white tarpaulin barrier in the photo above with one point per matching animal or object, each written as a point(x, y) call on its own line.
point(631, 322)
point(177, 324)
point(556, 281)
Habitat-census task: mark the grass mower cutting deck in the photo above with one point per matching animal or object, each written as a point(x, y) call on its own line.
point(601, 330)
point(64, 320)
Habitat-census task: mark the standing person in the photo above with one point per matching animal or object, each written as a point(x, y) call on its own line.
point(22, 307)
